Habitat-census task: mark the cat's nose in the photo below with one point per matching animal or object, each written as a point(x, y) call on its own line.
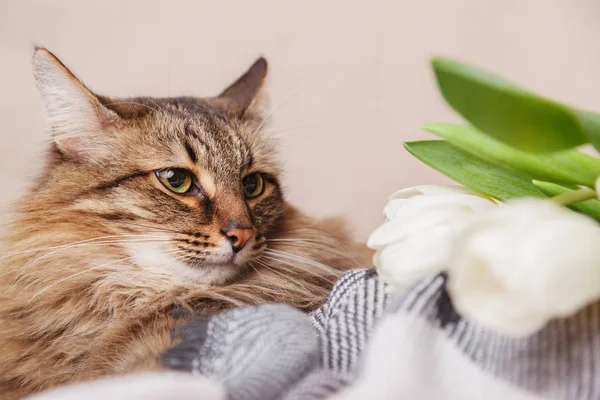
point(239, 237)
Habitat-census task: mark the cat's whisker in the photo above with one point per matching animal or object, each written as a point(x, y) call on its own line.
point(87, 271)
point(281, 274)
point(309, 231)
point(278, 108)
point(155, 269)
point(252, 266)
point(101, 243)
point(311, 235)
point(77, 274)
point(263, 265)
point(306, 84)
point(297, 267)
point(305, 240)
point(307, 261)
point(301, 264)
point(274, 258)
point(271, 135)
point(315, 269)
point(308, 244)
point(91, 240)
point(174, 251)
point(262, 288)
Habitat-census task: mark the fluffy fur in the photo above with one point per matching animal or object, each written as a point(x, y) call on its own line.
point(102, 260)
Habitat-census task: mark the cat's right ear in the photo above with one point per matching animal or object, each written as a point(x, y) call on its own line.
point(77, 118)
point(244, 94)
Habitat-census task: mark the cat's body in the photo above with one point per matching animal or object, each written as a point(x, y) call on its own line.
point(107, 252)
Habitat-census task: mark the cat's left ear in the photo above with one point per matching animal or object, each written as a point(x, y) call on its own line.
point(244, 95)
point(78, 119)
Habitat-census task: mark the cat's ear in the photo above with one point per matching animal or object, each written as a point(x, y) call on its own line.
point(77, 118)
point(245, 93)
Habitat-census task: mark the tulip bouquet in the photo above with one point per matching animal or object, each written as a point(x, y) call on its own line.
point(519, 240)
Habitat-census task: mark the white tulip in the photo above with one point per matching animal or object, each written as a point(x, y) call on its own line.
point(421, 223)
point(516, 267)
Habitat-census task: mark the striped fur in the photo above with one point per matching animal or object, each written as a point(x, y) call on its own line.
point(101, 258)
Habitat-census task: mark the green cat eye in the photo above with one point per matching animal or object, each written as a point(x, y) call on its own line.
point(176, 180)
point(253, 185)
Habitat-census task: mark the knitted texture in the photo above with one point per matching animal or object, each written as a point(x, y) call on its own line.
point(255, 352)
point(276, 352)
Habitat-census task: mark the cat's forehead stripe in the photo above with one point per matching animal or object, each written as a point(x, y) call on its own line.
point(218, 149)
point(226, 141)
point(192, 133)
point(190, 151)
point(239, 146)
point(208, 136)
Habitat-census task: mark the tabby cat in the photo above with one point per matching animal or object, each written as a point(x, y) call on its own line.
point(147, 207)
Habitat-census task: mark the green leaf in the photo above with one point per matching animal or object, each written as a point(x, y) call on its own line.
point(472, 172)
point(513, 115)
point(589, 207)
point(567, 166)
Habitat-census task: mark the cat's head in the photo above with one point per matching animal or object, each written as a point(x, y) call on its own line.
point(190, 179)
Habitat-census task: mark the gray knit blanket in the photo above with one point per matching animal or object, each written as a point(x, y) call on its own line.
point(364, 343)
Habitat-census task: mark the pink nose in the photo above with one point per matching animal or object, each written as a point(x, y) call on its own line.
point(239, 237)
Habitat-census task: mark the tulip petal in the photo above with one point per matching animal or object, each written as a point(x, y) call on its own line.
point(429, 190)
point(516, 267)
point(403, 263)
point(416, 223)
point(402, 209)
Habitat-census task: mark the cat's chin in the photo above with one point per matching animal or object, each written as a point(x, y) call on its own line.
point(214, 274)
point(161, 264)
point(206, 274)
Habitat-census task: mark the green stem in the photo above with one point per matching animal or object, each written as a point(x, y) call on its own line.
point(574, 196)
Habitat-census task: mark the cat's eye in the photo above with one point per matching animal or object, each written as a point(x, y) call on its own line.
point(253, 185)
point(176, 180)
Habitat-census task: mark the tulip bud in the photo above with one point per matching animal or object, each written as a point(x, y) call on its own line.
point(516, 267)
point(421, 224)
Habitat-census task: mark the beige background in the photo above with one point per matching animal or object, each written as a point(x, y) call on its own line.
point(349, 79)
